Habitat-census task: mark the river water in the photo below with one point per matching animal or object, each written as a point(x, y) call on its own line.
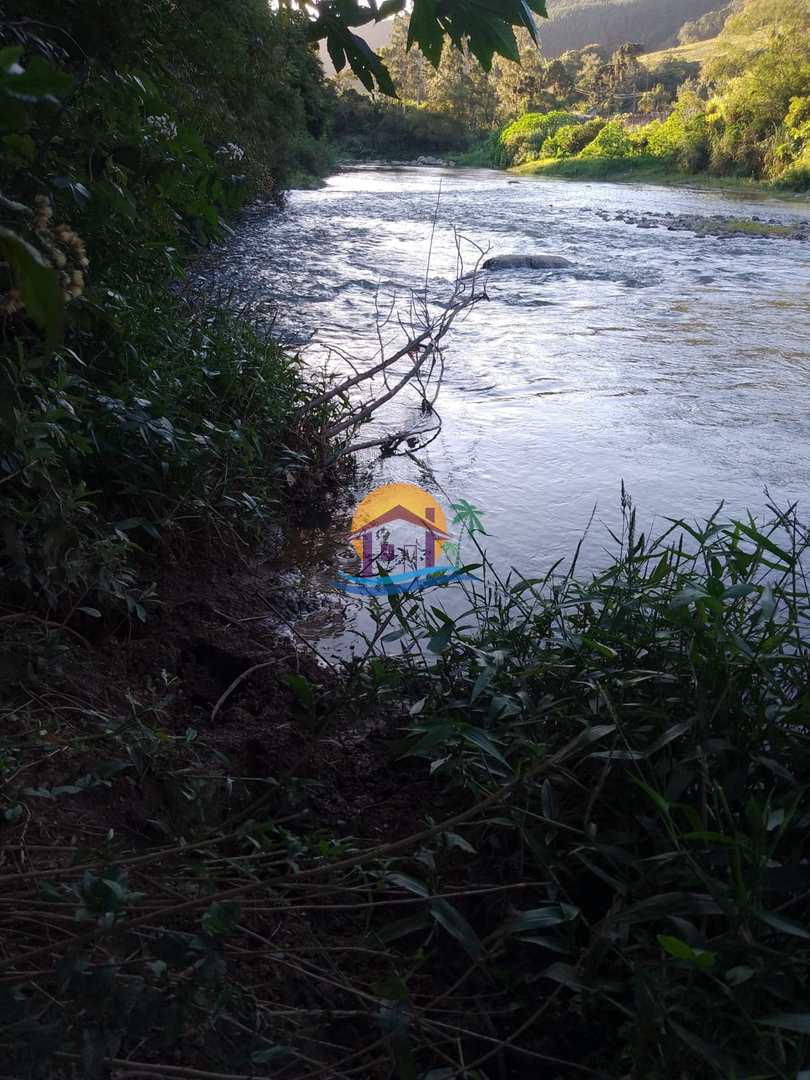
point(678, 364)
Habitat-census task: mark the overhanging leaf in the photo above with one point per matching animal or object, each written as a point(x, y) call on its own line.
point(38, 284)
point(455, 924)
point(539, 918)
point(783, 925)
point(798, 1022)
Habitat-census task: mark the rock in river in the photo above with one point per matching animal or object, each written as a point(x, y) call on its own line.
point(525, 262)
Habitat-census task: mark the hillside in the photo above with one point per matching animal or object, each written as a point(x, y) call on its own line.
point(698, 51)
point(694, 52)
point(574, 23)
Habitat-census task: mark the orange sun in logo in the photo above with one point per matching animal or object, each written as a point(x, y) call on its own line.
point(399, 502)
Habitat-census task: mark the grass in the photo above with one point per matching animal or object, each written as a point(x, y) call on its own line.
point(599, 168)
point(757, 228)
point(645, 169)
point(698, 51)
point(598, 866)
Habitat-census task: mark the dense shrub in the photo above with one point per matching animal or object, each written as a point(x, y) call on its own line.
point(748, 114)
point(612, 141)
point(568, 140)
point(792, 154)
point(797, 174)
point(128, 414)
point(522, 140)
point(366, 128)
point(683, 138)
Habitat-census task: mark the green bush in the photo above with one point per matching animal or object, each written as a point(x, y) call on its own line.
point(612, 141)
point(792, 157)
point(362, 128)
point(684, 138)
point(568, 140)
point(173, 424)
point(522, 140)
point(797, 174)
point(676, 679)
point(130, 413)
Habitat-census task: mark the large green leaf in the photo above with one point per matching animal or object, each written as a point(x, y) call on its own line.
point(455, 923)
point(38, 81)
point(486, 26)
point(38, 284)
point(799, 1022)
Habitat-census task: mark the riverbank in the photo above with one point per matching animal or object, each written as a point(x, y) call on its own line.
point(227, 854)
point(241, 858)
point(647, 171)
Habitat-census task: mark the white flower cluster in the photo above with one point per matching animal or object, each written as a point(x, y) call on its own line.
point(162, 127)
point(232, 151)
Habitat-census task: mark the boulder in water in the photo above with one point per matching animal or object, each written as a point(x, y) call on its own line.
point(526, 262)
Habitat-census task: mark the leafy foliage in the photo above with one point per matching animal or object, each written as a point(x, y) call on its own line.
point(603, 867)
point(568, 140)
point(522, 140)
point(671, 692)
point(748, 117)
point(128, 408)
point(366, 128)
point(485, 29)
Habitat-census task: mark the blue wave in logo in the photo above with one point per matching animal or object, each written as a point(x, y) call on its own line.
point(409, 582)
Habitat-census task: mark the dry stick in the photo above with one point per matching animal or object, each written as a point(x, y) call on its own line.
point(355, 380)
point(501, 1044)
point(263, 1038)
point(366, 410)
point(382, 851)
point(239, 679)
point(135, 860)
point(446, 322)
point(292, 630)
point(437, 329)
point(21, 616)
point(294, 906)
point(397, 437)
point(163, 1070)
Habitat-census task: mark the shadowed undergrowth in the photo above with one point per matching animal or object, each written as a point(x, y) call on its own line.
point(584, 851)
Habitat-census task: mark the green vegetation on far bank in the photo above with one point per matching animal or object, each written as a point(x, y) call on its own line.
point(748, 121)
point(644, 170)
point(741, 113)
point(595, 168)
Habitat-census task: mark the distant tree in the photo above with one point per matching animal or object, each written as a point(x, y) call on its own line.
point(522, 87)
point(762, 62)
point(672, 72)
point(654, 100)
point(409, 69)
point(462, 89)
point(558, 79)
point(707, 26)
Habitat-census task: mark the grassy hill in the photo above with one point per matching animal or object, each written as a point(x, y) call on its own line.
point(574, 23)
point(698, 51)
point(655, 23)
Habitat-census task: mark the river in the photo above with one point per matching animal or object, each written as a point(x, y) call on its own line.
point(678, 364)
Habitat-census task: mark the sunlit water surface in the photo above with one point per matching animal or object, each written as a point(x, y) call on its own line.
point(678, 364)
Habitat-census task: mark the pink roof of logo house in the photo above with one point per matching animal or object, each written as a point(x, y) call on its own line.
point(400, 513)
